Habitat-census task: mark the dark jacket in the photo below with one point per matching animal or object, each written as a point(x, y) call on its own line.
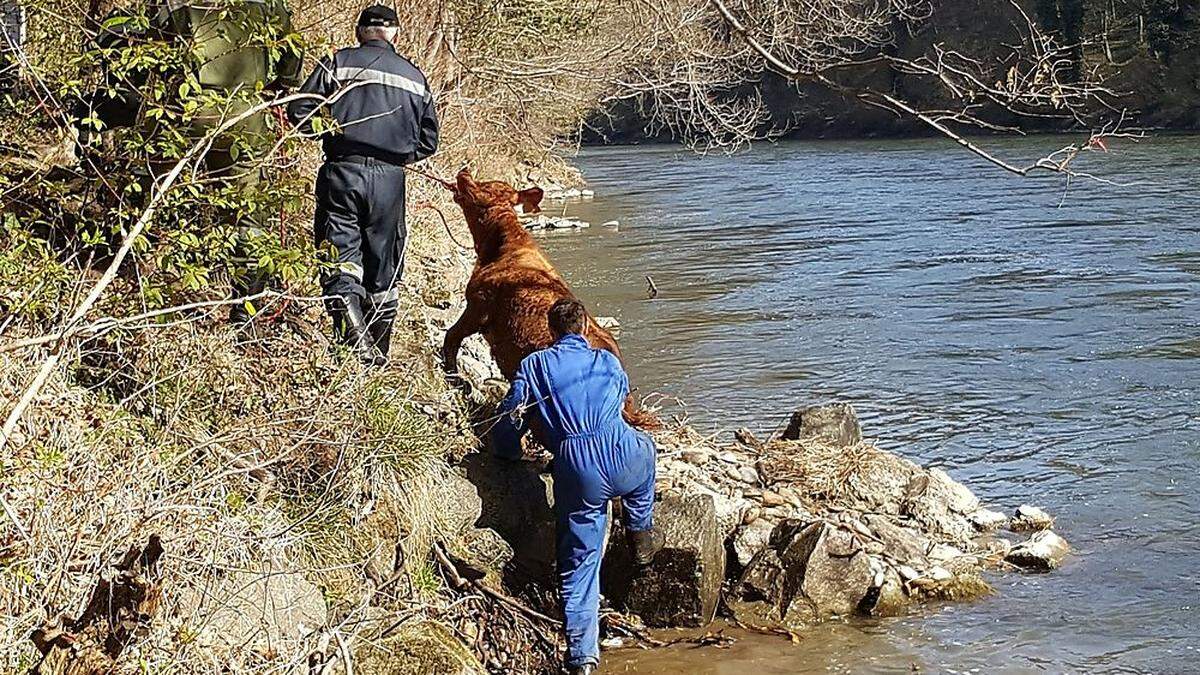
point(380, 101)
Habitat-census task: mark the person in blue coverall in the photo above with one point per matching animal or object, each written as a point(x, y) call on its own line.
point(578, 393)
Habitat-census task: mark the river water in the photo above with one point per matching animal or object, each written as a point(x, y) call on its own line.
point(1042, 345)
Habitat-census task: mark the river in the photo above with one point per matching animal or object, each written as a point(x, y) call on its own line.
point(1041, 344)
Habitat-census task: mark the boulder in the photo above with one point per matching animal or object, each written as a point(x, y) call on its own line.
point(485, 549)
point(828, 568)
point(831, 424)
point(818, 573)
point(887, 596)
point(940, 504)
point(517, 502)
point(1030, 519)
point(731, 509)
point(987, 520)
point(902, 543)
point(460, 503)
point(683, 585)
point(259, 612)
point(418, 649)
point(751, 539)
point(1045, 551)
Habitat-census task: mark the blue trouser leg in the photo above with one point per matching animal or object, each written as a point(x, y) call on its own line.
point(637, 499)
point(582, 521)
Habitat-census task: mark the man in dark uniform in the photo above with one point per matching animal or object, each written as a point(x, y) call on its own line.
point(384, 118)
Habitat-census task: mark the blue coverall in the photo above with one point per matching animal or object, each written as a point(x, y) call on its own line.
point(579, 393)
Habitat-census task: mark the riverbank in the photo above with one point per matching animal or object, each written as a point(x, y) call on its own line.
point(372, 529)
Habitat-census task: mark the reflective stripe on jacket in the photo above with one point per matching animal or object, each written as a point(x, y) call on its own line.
point(381, 102)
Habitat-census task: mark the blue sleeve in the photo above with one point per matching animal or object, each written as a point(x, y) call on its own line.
point(518, 395)
point(618, 372)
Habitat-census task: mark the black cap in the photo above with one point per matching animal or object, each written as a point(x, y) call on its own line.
point(380, 16)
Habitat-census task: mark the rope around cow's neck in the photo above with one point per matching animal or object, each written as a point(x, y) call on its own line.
point(430, 205)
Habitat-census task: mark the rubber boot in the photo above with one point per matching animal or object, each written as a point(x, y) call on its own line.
point(585, 669)
point(646, 545)
point(351, 328)
point(380, 321)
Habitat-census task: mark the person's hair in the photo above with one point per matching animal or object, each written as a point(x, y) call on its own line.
point(566, 317)
point(385, 33)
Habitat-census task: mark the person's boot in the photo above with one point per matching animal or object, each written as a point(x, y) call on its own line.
point(351, 328)
point(585, 669)
point(380, 321)
point(646, 545)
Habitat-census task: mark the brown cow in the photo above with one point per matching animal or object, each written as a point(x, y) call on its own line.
point(513, 285)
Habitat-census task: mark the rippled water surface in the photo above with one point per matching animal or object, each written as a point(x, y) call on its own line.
point(1040, 345)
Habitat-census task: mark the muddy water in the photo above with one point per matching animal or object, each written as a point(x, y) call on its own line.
point(1039, 345)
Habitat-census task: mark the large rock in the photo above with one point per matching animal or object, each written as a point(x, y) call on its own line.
point(1030, 519)
point(422, 648)
point(940, 505)
point(517, 502)
point(460, 504)
point(261, 612)
point(751, 539)
point(831, 424)
point(819, 574)
point(902, 543)
point(1045, 551)
point(829, 569)
point(683, 585)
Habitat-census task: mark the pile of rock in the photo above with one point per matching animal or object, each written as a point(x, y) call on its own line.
point(819, 524)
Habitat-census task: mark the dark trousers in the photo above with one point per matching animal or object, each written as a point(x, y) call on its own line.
point(360, 212)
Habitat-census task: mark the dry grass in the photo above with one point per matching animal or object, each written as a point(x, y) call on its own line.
point(828, 473)
point(250, 460)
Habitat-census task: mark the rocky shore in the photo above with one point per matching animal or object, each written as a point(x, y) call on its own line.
point(777, 533)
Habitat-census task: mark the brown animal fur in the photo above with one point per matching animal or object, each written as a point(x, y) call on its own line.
point(513, 285)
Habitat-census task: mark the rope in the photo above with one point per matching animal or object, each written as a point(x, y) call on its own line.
point(445, 223)
point(430, 205)
point(281, 122)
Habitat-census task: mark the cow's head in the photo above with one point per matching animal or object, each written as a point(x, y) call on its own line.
point(489, 209)
point(476, 198)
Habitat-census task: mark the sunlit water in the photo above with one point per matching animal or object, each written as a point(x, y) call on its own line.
point(1042, 346)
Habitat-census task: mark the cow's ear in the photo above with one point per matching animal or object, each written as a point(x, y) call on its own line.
point(530, 199)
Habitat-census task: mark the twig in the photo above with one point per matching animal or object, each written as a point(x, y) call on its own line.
point(459, 582)
point(344, 652)
point(110, 323)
